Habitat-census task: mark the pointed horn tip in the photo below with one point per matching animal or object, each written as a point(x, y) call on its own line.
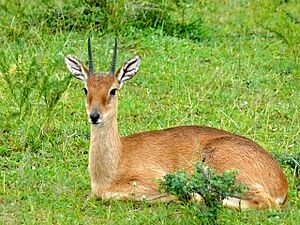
point(90, 53)
point(114, 58)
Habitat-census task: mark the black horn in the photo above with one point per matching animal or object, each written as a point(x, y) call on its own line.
point(91, 61)
point(114, 59)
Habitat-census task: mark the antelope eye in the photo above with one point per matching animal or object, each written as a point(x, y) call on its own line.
point(85, 91)
point(113, 92)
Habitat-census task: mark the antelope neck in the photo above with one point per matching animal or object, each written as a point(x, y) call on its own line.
point(105, 153)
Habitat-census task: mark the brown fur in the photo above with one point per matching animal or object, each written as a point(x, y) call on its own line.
point(126, 167)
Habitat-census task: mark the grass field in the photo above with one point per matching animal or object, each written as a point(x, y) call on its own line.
point(233, 65)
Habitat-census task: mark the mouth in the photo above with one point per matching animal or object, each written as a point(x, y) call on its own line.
point(96, 123)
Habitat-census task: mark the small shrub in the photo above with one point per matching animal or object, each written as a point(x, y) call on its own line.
point(206, 182)
point(28, 104)
point(169, 17)
point(291, 161)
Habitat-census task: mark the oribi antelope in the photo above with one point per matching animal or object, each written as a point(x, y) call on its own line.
point(126, 167)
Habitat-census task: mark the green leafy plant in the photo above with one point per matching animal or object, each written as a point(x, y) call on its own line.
point(292, 162)
point(31, 95)
point(210, 185)
point(172, 18)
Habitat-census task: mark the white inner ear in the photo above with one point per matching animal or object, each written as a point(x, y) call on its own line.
point(129, 69)
point(76, 67)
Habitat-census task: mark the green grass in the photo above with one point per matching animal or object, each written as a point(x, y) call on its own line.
point(238, 69)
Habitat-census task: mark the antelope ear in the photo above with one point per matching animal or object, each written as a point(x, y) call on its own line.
point(128, 70)
point(76, 68)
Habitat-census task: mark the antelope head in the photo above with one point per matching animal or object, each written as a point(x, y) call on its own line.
point(101, 88)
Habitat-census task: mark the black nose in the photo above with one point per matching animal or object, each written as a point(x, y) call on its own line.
point(94, 117)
